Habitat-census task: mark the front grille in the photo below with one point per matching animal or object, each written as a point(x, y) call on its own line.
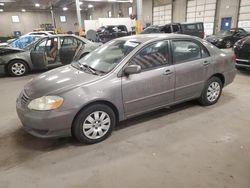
point(24, 98)
point(243, 63)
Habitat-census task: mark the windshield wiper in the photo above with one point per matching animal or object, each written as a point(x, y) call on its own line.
point(92, 70)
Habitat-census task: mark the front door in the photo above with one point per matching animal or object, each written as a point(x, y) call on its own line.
point(226, 23)
point(154, 86)
point(192, 68)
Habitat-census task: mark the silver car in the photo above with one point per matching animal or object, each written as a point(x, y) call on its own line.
point(48, 52)
point(122, 79)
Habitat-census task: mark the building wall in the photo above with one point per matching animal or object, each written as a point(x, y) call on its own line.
point(32, 20)
point(226, 8)
point(102, 12)
point(179, 10)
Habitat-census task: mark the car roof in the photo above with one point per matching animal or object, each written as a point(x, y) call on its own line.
point(151, 37)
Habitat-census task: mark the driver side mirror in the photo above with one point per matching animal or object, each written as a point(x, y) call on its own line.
point(132, 69)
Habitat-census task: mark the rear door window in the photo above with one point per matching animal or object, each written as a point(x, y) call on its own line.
point(188, 50)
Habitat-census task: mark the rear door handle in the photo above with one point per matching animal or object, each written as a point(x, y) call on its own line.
point(205, 63)
point(168, 72)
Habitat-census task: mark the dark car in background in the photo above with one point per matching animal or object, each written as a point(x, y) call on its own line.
point(227, 38)
point(107, 33)
point(242, 52)
point(194, 29)
point(48, 52)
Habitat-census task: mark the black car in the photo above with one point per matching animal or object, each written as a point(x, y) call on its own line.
point(194, 29)
point(226, 39)
point(107, 33)
point(242, 52)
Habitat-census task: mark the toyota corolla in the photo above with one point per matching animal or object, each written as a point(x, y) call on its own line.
point(122, 79)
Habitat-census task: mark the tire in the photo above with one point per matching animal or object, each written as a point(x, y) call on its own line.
point(85, 130)
point(211, 92)
point(17, 68)
point(228, 44)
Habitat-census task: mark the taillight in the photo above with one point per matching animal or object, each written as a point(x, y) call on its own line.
point(233, 58)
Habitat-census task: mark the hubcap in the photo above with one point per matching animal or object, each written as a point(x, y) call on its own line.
point(96, 125)
point(18, 68)
point(213, 91)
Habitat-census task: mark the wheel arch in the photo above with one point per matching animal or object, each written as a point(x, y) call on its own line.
point(220, 76)
point(19, 59)
point(108, 103)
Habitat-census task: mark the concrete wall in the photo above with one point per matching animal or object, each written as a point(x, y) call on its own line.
point(147, 7)
point(32, 20)
point(226, 8)
point(179, 10)
point(102, 12)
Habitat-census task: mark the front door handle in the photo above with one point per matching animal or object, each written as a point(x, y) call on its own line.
point(205, 63)
point(168, 72)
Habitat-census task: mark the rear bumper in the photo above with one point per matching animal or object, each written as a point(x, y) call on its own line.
point(229, 76)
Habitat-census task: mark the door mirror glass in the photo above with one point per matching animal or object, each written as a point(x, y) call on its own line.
point(132, 69)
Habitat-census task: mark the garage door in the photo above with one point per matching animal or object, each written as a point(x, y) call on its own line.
point(244, 14)
point(162, 14)
point(202, 11)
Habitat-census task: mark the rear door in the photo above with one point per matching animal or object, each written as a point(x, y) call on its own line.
point(68, 49)
point(38, 55)
point(193, 66)
point(154, 86)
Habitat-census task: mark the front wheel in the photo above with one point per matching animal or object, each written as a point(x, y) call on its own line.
point(94, 124)
point(211, 92)
point(17, 68)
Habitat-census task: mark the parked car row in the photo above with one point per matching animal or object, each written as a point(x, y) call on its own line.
point(45, 53)
point(226, 39)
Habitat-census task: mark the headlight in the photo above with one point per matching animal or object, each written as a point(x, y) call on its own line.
point(46, 103)
point(220, 40)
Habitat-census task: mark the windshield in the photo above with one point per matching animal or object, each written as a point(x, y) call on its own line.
point(228, 32)
point(23, 42)
point(106, 57)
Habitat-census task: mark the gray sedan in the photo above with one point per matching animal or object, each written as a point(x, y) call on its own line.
point(47, 52)
point(122, 79)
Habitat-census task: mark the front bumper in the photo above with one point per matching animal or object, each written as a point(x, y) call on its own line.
point(45, 124)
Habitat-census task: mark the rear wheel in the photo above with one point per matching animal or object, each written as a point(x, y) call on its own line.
point(17, 68)
point(94, 124)
point(211, 92)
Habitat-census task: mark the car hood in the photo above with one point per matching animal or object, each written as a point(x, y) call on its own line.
point(58, 81)
point(9, 50)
